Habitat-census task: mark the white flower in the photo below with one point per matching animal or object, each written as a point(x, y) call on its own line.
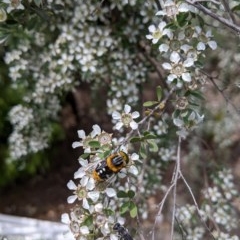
point(171, 9)
point(13, 5)
point(158, 32)
point(66, 62)
point(85, 139)
point(81, 192)
point(126, 118)
point(205, 40)
point(178, 68)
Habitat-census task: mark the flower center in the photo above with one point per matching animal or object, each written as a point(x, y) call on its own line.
point(189, 32)
point(15, 3)
point(175, 45)
point(157, 34)
point(203, 38)
point(178, 69)
point(126, 119)
point(81, 193)
point(105, 138)
point(182, 103)
point(74, 226)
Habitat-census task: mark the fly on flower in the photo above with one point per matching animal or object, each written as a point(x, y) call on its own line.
point(122, 232)
point(112, 165)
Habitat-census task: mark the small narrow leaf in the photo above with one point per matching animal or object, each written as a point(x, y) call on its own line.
point(124, 208)
point(150, 136)
point(85, 155)
point(94, 144)
point(135, 139)
point(131, 194)
point(153, 147)
point(122, 194)
point(159, 93)
point(142, 151)
point(133, 210)
point(150, 103)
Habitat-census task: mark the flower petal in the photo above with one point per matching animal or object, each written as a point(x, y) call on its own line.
point(171, 77)
point(79, 173)
point(163, 47)
point(71, 199)
point(91, 184)
point(84, 180)
point(76, 144)
point(65, 218)
point(81, 134)
point(167, 66)
point(84, 230)
point(85, 203)
point(133, 125)
point(110, 192)
point(186, 77)
point(201, 46)
point(212, 45)
point(127, 108)
point(119, 125)
point(96, 130)
point(116, 115)
point(71, 185)
point(135, 156)
point(188, 62)
point(93, 195)
point(175, 57)
point(133, 169)
point(151, 28)
point(135, 114)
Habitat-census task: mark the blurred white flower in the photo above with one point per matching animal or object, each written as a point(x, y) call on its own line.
point(158, 32)
point(13, 5)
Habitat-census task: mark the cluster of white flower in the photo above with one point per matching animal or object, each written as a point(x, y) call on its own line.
point(181, 48)
point(89, 46)
point(215, 207)
point(98, 201)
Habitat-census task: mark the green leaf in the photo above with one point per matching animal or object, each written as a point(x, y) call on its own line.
point(135, 139)
point(150, 103)
point(150, 136)
point(124, 208)
point(236, 8)
point(153, 147)
point(182, 19)
point(108, 211)
point(196, 94)
point(133, 209)
point(142, 151)
point(94, 144)
point(122, 194)
point(131, 194)
point(88, 221)
point(84, 155)
point(159, 93)
point(58, 7)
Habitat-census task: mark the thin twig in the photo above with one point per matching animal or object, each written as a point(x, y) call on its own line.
point(213, 15)
point(177, 171)
point(228, 101)
point(228, 10)
point(161, 207)
point(195, 203)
